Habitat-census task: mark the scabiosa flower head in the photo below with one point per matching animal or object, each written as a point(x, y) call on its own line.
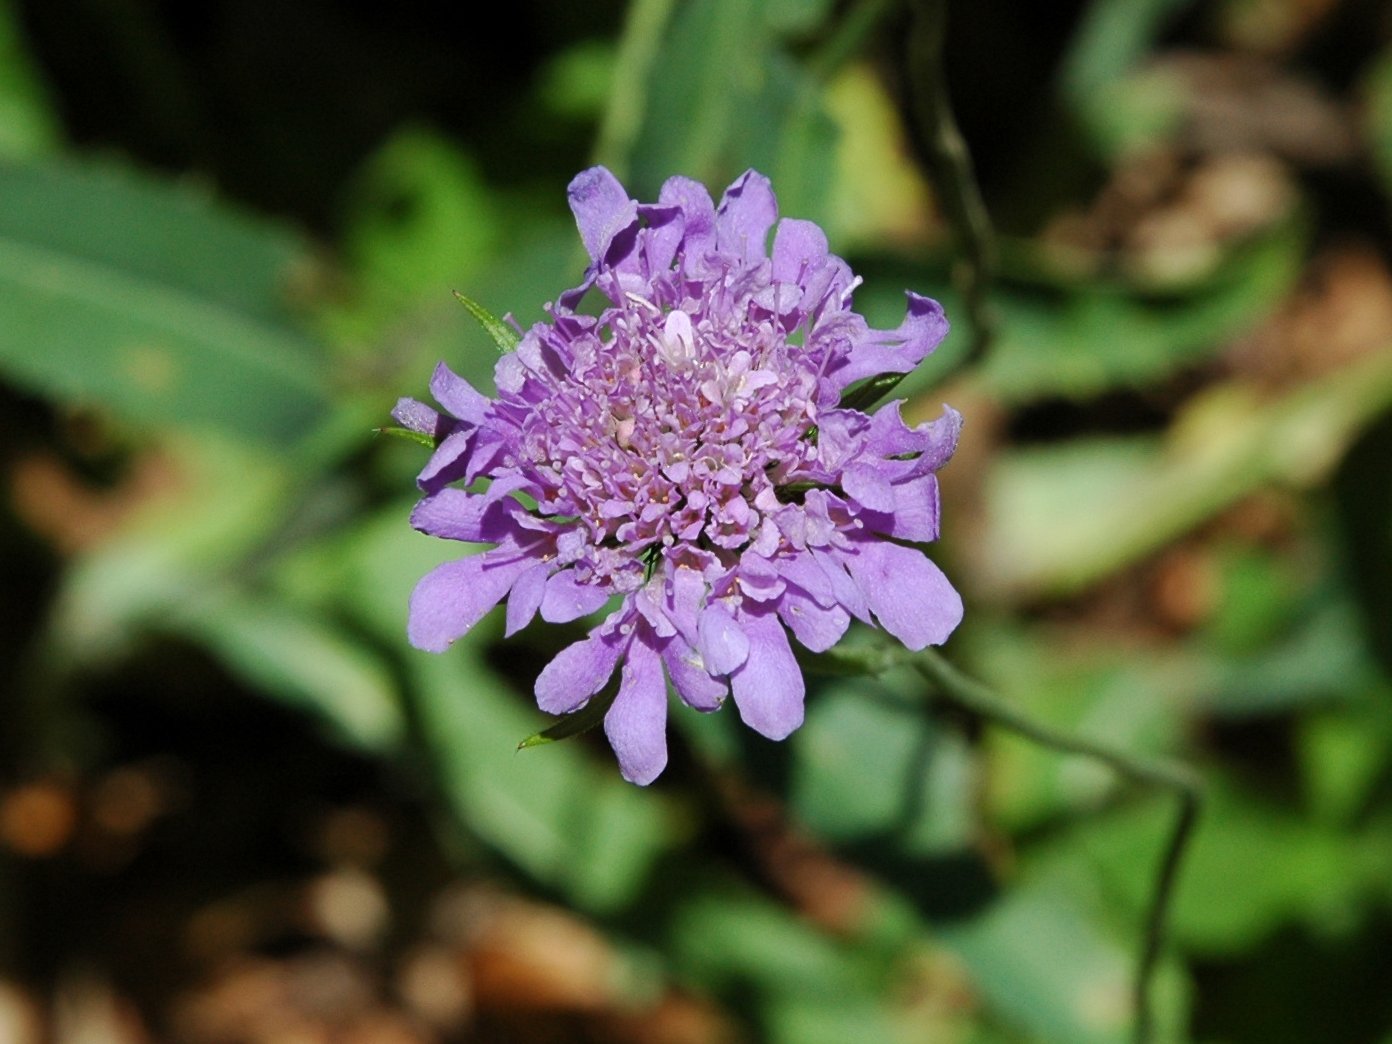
point(685, 454)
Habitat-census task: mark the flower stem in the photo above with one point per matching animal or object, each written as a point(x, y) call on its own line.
point(966, 694)
point(954, 687)
point(951, 167)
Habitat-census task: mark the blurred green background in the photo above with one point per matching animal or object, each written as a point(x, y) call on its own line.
point(236, 806)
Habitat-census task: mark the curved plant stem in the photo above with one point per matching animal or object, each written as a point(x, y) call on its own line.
point(951, 167)
point(954, 687)
point(951, 686)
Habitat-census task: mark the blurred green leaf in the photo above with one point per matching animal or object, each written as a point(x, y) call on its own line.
point(1377, 88)
point(710, 119)
point(301, 660)
point(1254, 867)
point(1363, 496)
point(123, 293)
point(1343, 754)
point(576, 83)
point(179, 550)
point(1089, 339)
point(1318, 660)
point(879, 196)
point(181, 567)
point(784, 132)
point(1127, 698)
point(571, 823)
point(421, 218)
point(1258, 596)
point(691, 99)
point(739, 946)
point(865, 767)
point(1041, 962)
point(28, 126)
point(1111, 40)
point(1063, 517)
point(795, 17)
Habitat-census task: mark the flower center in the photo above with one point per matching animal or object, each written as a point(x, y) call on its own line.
point(672, 433)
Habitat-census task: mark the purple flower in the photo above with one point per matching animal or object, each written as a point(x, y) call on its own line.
point(684, 458)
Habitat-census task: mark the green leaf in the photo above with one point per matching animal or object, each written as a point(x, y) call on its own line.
point(1091, 339)
point(723, 96)
point(785, 132)
point(504, 336)
point(1377, 87)
point(178, 550)
point(692, 99)
point(294, 657)
point(1041, 962)
point(1111, 40)
point(1062, 518)
point(795, 17)
point(565, 817)
point(420, 216)
point(1364, 500)
point(408, 434)
point(1230, 897)
point(865, 768)
point(28, 126)
point(731, 941)
point(572, 724)
point(865, 394)
point(129, 295)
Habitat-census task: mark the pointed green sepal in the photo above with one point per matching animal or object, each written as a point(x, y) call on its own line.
point(574, 723)
point(504, 336)
point(870, 391)
point(409, 435)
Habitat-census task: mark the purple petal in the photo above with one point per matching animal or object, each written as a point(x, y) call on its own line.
point(868, 487)
point(768, 688)
point(848, 593)
point(458, 396)
point(685, 591)
point(936, 440)
point(915, 515)
point(798, 248)
point(924, 327)
point(578, 672)
point(695, 203)
point(473, 517)
point(803, 571)
point(720, 641)
point(745, 216)
point(636, 724)
point(696, 687)
point(568, 599)
point(602, 209)
point(451, 598)
point(664, 227)
point(698, 218)
point(907, 592)
point(417, 416)
point(816, 627)
point(897, 351)
point(449, 462)
point(525, 597)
